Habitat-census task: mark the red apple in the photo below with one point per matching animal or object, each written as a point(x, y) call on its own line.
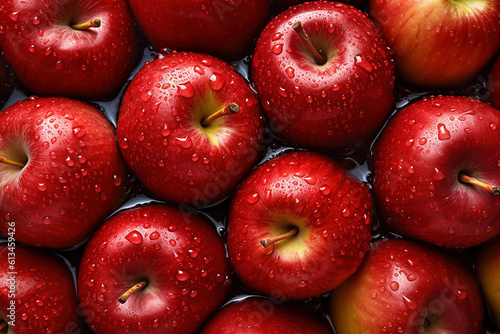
point(167, 138)
point(61, 172)
point(258, 315)
point(488, 271)
point(225, 29)
point(6, 82)
point(299, 226)
point(494, 84)
point(37, 292)
point(57, 47)
point(426, 163)
point(404, 287)
point(439, 43)
point(335, 99)
point(152, 269)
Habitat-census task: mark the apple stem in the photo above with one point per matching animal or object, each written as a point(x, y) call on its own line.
point(318, 57)
point(470, 180)
point(3, 325)
point(10, 162)
point(123, 298)
point(231, 108)
point(95, 23)
point(269, 241)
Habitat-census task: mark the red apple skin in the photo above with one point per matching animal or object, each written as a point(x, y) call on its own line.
point(181, 256)
point(6, 83)
point(258, 315)
point(45, 296)
point(494, 84)
point(74, 176)
point(488, 271)
point(438, 44)
point(330, 106)
point(51, 58)
point(417, 161)
point(282, 5)
point(330, 208)
point(400, 284)
point(222, 28)
point(161, 137)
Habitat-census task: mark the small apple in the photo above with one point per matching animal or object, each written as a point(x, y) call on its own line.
point(437, 171)
point(438, 44)
point(83, 49)
point(404, 287)
point(299, 226)
point(258, 315)
point(61, 172)
point(324, 75)
point(488, 271)
point(494, 84)
point(190, 128)
point(152, 269)
point(225, 29)
point(37, 292)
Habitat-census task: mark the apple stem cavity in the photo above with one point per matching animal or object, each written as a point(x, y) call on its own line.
point(495, 190)
point(95, 23)
point(231, 108)
point(3, 325)
point(123, 298)
point(269, 241)
point(10, 162)
point(318, 57)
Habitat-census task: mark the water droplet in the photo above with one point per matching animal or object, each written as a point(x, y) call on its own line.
point(361, 62)
point(199, 70)
point(79, 131)
point(302, 284)
point(277, 49)
point(346, 213)
point(253, 198)
point(134, 237)
point(155, 235)
point(394, 286)
point(216, 81)
point(182, 275)
point(290, 72)
point(185, 90)
point(461, 294)
point(14, 16)
point(335, 88)
point(42, 187)
point(193, 253)
point(311, 179)
point(47, 220)
point(438, 175)
point(39, 302)
point(276, 36)
point(32, 48)
point(443, 133)
point(411, 277)
point(325, 190)
point(90, 282)
point(185, 142)
point(409, 303)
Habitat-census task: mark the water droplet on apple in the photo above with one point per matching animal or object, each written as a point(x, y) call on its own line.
point(42, 187)
point(185, 90)
point(461, 294)
point(361, 62)
point(134, 237)
point(79, 131)
point(193, 253)
point(253, 198)
point(24, 317)
point(411, 277)
point(32, 48)
point(14, 16)
point(335, 88)
point(311, 179)
point(443, 133)
point(199, 70)
point(47, 220)
point(302, 284)
point(277, 49)
point(438, 175)
point(185, 142)
point(39, 302)
point(409, 303)
point(216, 81)
point(172, 228)
point(493, 126)
point(276, 37)
point(155, 235)
point(182, 275)
point(325, 190)
point(394, 286)
point(290, 72)
point(281, 91)
point(346, 213)
point(90, 282)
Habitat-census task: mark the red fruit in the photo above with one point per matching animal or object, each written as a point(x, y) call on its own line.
point(53, 56)
point(404, 287)
point(332, 105)
point(421, 161)
point(179, 258)
point(162, 136)
point(61, 172)
point(326, 213)
point(225, 29)
point(257, 315)
point(38, 292)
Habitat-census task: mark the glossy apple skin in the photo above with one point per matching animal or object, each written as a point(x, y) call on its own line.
point(417, 161)
point(6, 83)
point(74, 176)
point(400, 284)
point(181, 256)
point(494, 84)
point(282, 5)
point(45, 296)
point(332, 106)
point(51, 58)
point(438, 44)
point(258, 315)
point(488, 271)
point(160, 134)
point(331, 209)
point(222, 28)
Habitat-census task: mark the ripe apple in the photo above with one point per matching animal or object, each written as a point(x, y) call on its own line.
point(84, 48)
point(61, 172)
point(37, 292)
point(178, 132)
point(437, 171)
point(152, 269)
point(225, 29)
point(488, 271)
point(6, 83)
point(333, 91)
point(404, 287)
point(438, 43)
point(494, 84)
point(299, 226)
point(258, 315)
